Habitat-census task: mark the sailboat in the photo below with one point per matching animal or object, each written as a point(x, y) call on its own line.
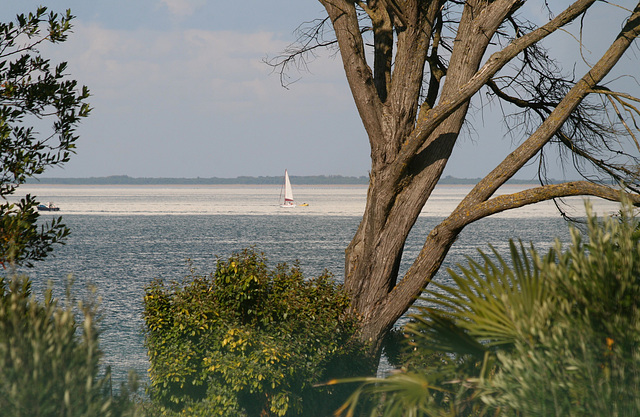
point(288, 193)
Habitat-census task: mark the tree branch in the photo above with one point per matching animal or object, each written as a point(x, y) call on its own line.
point(310, 36)
point(397, 12)
point(516, 160)
point(614, 171)
point(505, 202)
point(442, 236)
point(522, 103)
point(631, 109)
point(436, 69)
point(495, 62)
point(344, 17)
point(586, 122)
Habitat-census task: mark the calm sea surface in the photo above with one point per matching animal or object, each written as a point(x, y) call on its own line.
point(123, 237)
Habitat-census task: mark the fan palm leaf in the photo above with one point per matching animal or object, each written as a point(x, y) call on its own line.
point(406, 394)
point(489, 302)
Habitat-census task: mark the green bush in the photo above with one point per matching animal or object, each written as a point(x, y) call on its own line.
point(586, 355)
point(49, 363)
point(557, 335)
point(248, 340)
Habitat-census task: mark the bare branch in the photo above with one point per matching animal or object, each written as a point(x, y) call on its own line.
point(514, 161)
point(621, 118)
point(617, 172)
point(310, 37)
point(496, 62)
point(505, 202)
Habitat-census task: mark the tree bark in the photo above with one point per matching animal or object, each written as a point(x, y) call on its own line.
point(411, 145)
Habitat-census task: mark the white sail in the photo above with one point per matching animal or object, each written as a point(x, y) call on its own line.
point(288, 191)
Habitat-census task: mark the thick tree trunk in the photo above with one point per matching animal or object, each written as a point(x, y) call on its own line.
point(411, 145)
point(394, 202)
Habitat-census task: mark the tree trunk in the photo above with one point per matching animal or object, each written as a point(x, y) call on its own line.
point(412, 139)
point(395, 201)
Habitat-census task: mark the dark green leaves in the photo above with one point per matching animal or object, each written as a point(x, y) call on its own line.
point(21, 240)
point(33, 92)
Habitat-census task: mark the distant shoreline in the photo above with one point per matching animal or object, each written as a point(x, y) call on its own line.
point(272, 180)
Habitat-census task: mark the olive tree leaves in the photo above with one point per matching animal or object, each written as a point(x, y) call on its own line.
point(34, 93)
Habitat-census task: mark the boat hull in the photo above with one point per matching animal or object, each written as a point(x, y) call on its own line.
point(47, 207)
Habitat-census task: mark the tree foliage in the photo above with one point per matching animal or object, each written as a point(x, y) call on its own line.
point(557, 335)
point(32, 92)
point(248, 340)
point(415, 68)
point(49, 361)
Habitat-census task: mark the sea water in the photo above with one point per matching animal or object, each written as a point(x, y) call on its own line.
point(123, 237)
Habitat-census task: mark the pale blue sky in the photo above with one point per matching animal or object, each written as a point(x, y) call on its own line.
point(179, 90)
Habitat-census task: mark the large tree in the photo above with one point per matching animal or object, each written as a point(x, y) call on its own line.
point(33, 94)
point(414, 67)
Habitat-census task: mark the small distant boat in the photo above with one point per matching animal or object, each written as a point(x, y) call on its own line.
point(288, 201)
point(288, 192)
point(48, 207)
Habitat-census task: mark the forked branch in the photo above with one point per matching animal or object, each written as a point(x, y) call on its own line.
point(310, 37)
point(553, 123)
point(495, 62)
point(623, 99)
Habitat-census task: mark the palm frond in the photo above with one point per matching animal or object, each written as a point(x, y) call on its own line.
point(440, 333)
point(406, 394)
point(488, 300)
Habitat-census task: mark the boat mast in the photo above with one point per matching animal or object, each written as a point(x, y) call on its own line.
point(288, 192)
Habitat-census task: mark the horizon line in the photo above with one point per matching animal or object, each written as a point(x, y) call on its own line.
point(242, 180)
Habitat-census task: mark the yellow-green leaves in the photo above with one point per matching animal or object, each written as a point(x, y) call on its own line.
point(263, 337)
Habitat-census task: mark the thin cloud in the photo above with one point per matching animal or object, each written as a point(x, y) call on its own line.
point(182, 8)
point(196, 95)
point(216, 69)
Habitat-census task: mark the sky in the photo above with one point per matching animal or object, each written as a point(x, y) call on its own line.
point(179, 89)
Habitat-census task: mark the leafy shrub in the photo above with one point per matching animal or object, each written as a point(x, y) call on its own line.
point(530, 336)
point(248, 340)
point(49, 364)
point(586, 355)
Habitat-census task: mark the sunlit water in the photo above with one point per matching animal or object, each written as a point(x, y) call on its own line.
point(123, 237)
